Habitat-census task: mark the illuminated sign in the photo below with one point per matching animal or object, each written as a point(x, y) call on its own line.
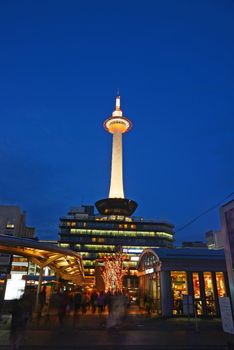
point(131, 250)
point(147, 271)
point(134, 258)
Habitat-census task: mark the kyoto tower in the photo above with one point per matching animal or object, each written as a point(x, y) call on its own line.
point(116, 204)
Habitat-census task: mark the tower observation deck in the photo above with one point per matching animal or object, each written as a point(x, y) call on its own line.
point(117, 204)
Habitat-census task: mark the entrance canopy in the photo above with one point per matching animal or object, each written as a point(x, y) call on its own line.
point(65, 262)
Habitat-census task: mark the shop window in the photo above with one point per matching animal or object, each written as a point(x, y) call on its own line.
point(196, 286)
point(197, 293)
point(209, 293)
point(179, 288)
point(220, 284)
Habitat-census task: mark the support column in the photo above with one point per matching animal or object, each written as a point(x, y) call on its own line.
point(202, 293)
point(39, 286)
point(166, 294)
point(190, 283)
point(216, 297)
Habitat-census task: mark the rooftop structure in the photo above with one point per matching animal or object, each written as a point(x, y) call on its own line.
point(215, 239)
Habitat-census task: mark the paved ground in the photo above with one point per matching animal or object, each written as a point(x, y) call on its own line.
point(136, 332)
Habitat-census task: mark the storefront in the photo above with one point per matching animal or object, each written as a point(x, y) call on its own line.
point(167, 276)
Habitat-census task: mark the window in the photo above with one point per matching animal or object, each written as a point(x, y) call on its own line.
point(220, 284)
point(179, 288)
point(196, 286)
point(10, 226)
point(209, 292)
point(197, 293)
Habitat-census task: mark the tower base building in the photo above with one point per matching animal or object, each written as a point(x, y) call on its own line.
point(95, 236)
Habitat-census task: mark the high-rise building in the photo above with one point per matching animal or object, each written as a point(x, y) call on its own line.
point(215, 239)
point(114, 228)
point(12, 222)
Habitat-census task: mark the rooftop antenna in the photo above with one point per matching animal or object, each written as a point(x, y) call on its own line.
point(117, 91)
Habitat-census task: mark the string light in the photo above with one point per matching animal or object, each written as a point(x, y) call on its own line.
point(113, 272)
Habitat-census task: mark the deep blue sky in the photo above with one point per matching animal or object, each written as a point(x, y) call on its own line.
point(60, 65)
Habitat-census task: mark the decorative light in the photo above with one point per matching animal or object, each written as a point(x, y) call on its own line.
point(113, 272)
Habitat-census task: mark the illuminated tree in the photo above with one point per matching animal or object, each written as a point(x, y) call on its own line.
point(113, 272)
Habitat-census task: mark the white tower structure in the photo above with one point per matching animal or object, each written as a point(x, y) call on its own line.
point(117, 204)
point(117, 124)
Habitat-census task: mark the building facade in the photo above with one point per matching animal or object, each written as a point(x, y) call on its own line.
point(13, 267)
point(95, 236)
point(168, 276)
point(13, 222)
point(227, 228)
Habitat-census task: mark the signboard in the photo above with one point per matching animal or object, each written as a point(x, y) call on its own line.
point(188, 308)
point(226, 315)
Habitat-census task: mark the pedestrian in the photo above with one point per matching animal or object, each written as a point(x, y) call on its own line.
point(108, 301)
point(62, 307)
point(84, 302)
point(101, 302)
point(18, 324)
point(41, 303)
point(93, 301)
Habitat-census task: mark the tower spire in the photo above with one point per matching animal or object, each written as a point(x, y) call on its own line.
point(117, 103)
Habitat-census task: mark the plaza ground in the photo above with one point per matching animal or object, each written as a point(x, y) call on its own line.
point(136, 332)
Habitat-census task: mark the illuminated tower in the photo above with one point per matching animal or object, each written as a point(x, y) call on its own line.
point(117, 125)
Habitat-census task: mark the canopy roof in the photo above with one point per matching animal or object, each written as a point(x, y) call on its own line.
point(186, 253)
point(65, 262)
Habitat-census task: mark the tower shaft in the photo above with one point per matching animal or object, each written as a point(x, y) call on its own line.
point(116, 185)
point(116, 204)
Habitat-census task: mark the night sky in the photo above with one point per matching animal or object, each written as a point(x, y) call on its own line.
point(61, 63)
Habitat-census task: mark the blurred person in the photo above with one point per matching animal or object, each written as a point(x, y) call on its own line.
point(108, 301)
point(84, 302)
point(77, 306)
point(63, 306)
point(41, 303)
point(101, 302)
point(18, 323)
point(93, 301)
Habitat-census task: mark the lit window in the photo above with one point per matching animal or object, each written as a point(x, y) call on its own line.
point(10, 226)
point(209, 292)
point(220, 284)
